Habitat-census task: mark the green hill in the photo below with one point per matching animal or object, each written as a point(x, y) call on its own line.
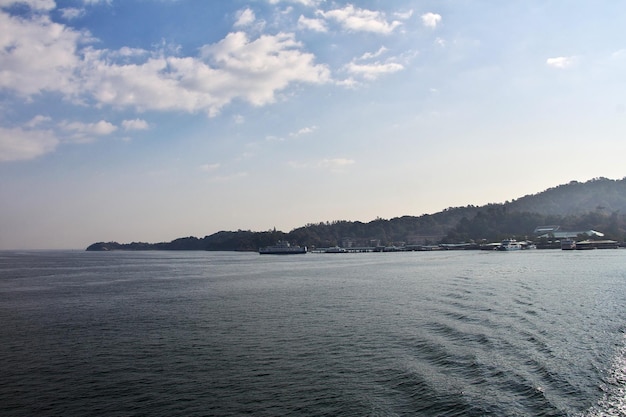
point(598, 204)
point(600, 194)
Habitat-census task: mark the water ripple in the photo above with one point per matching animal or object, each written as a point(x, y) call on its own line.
point(454, 334)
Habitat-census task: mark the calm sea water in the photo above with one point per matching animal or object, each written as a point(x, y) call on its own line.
point(533, 333)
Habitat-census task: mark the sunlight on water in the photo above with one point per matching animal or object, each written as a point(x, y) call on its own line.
point(613, 403)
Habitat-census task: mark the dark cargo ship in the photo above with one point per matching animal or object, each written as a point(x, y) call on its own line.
point(282, 248)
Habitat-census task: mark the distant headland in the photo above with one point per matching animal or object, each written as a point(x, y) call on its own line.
point(597, 205)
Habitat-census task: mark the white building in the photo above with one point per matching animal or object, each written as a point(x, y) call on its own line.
point(556, 232)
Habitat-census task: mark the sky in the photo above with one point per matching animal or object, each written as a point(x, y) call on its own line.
point(150, 120)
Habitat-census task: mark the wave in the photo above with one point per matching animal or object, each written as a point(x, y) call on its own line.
point(613, 402)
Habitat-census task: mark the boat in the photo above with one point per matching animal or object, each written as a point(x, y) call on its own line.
point(568, 244)
point(509, 245)
point(282, 248)
point(585, 245)
point(597, 244)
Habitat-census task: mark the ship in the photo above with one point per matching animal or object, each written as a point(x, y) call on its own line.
point(282, 248)
point(509, 244)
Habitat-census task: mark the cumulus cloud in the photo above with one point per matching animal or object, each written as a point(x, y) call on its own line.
point(23, 144)
point(86, 132)
point(135, 124)
point(245, 17)
point(233, 68)
point(561, 62)
point(431, 20)
point(38, 55)
point(255, 70)
point(352, 18)
point(317, 25)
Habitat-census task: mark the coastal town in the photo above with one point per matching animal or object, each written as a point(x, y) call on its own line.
point(544, 237)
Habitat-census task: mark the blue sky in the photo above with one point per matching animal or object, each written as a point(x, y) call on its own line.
point(148, 120)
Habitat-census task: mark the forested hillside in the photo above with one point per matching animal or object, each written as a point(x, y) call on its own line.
point(600, 194)
point(599, 204)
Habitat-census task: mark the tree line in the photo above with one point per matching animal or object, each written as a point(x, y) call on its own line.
point(599, 204)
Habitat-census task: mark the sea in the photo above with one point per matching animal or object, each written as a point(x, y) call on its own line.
point(448, 333)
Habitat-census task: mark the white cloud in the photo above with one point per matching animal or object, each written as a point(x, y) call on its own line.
point(37, 55)
point(40, 5)
point(349, 82)
point(431, 20)
point(38, 120)
point(33, 139)
point(356, 19)
point(304, 131)
point(127, 52)
point(404, 15)
point(308, 3)
point(72, 13)
point(561, 62)
point(255, 70)
point(330, 164)
point(370, 55)
point(209, 167)
point(317, 25)
point(374, 70)
point(92, 2)
point(245, 17)
point(23, 144)
point(336, 164)
point(84, 132)
point(135, 124)
point(234, 68)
